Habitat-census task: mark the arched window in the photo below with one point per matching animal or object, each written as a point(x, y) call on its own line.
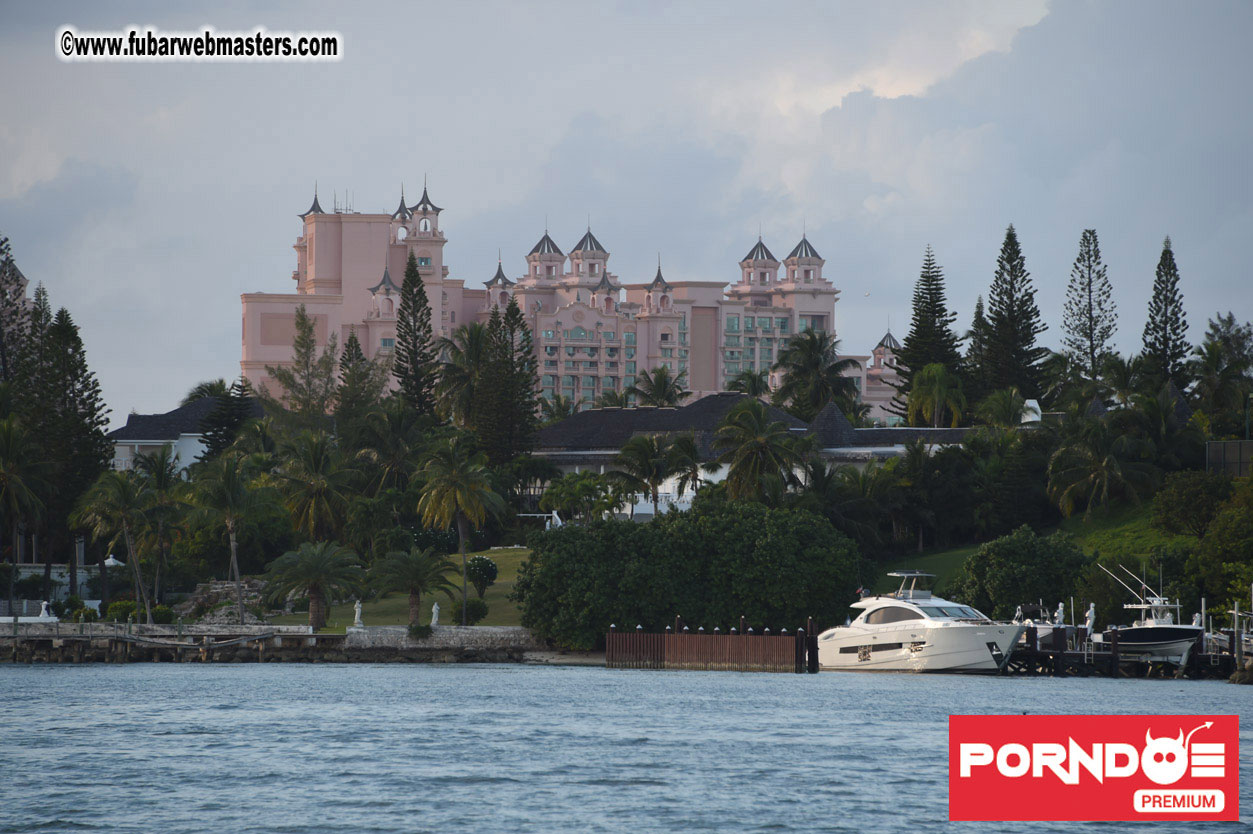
point(424, 225)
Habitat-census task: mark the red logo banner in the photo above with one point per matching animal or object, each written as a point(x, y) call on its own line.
point(1093, 767)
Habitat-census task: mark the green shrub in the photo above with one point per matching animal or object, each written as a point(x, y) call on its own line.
point(712, 565)
point(1018, 568)
point(419, 632)
point(300, 605)
point(86, 614)
point(162, 615)
point(476, 609)
point(120, 610)
point(482, 573)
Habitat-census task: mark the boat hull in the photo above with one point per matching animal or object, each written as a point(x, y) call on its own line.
point(949, 647)
point(1165, 642)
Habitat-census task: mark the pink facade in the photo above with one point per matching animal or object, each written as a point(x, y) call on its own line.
point(593, 332)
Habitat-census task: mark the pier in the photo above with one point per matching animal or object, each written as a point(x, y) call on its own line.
point(1081, 657)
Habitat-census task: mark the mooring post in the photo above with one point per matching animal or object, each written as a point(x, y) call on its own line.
point(1235, 625)
point(800, 650)
point(812, 641)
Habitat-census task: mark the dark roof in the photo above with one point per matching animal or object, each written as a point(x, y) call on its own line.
point(805, 250)
point(759, 253)
point(500, 277)
point(605, 284)
point(588, 243)
point(659, 282)
point(401, 213)
point(546, 246)
point(186, 419)
point(889, 341)
point(425, 205)
point(610, 428)
point(900, 435)
point(385, 283)
point(832, 427)
point(316, 208)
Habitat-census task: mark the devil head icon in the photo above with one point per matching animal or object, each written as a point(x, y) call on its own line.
point(1164, 760)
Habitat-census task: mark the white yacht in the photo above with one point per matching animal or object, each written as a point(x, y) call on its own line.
point(1155, 635)
point(912, 631)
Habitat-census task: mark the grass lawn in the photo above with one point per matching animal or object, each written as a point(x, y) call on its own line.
point(943, 563)
point(1124, 532)
point(393, 609)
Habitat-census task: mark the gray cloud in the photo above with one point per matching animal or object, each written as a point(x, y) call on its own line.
point(149, 197)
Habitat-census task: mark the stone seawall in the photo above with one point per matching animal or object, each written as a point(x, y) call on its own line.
point(473, 638)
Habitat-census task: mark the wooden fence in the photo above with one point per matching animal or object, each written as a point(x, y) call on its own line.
point(710, 652)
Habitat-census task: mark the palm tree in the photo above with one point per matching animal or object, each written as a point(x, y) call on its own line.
point(21, 480)
point(117, 503)
point(457, 490)
point(935, 391)
point(643, 465)
point(755, 449)
point(466, 359)
point(1096, 466)
point(217, 388)
point(323, 572)
point(559, 408)
point(813, 373)
point(257, 440)
point(659, 387)
point(750, 382)
point(1222, 381)
point(160, 472)
point(393, 437)
point(613, 399)
point(417, 572)
point(687, 464)
point(1002, 408)
point(224, 496)
point(316, 487)
point(1123, 377)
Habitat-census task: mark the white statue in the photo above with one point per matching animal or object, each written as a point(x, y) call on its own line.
point(356, 608)
point(1018, 614)
point(1196, 619)
point(44, 613)
point(1060, 617)
point(1089, 619)
point(434, 615)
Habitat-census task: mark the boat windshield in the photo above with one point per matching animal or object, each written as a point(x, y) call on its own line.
point(954, 612)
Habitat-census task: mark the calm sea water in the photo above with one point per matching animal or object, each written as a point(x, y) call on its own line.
point(325, 748)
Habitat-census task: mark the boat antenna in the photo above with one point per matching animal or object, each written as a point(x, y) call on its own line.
point(1120, 582)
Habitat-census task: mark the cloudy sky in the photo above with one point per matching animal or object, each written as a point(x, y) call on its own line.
point(147, 197)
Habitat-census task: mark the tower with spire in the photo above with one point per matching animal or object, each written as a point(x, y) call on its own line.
point(588, 259)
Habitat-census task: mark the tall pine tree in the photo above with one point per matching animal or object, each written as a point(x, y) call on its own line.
point(1014, 319)
point(307, 386)
point(1090, 315)
point(73, 438)
point(13, 314)
point(977, 359)
point(931, 340)
point(524, 381)
point(361, 384)
point(414, 366)
point(1166, 331)
point(490, 420)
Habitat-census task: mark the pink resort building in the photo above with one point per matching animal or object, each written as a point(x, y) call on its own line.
point(594, 332)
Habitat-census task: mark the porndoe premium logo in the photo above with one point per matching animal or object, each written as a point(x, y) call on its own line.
point(1093, 767)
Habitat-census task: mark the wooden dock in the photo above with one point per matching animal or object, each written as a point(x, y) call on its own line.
point(1080, 657)
point(736, 651)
